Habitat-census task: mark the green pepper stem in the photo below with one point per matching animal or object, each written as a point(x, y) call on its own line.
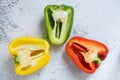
point(97, 60)
point(16, 60)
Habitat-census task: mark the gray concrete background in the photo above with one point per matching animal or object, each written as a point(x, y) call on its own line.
point(94, 19)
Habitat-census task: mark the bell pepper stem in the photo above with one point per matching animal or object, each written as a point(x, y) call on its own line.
point(97, 60)
point(16, 60)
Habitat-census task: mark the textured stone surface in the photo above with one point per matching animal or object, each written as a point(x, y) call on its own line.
point(95, 19)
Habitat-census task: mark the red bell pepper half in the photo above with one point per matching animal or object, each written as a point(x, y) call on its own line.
point(87, 54)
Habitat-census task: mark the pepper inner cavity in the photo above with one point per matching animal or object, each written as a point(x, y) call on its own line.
point(51, 21)
point(58, 29)
point(79, 47)
point(60, 18)
point(29, 54)
point(89, 54)
point(81, 59)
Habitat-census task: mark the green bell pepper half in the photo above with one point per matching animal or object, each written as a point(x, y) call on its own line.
point(58, 20)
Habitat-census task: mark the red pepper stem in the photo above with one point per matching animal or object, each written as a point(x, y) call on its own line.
point(97, 60)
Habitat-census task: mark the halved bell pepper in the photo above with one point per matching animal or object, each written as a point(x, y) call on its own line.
point(29, 54)
point(87, 54)
point(58, 19)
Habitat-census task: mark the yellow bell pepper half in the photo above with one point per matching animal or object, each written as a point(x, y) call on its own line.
point(29, 54)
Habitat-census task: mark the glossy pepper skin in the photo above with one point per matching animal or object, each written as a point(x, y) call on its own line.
point(58, 19)
point(96, 52)
point(40, 61)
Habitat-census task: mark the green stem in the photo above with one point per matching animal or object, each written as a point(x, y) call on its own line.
point(97, 60)
point(16, 60)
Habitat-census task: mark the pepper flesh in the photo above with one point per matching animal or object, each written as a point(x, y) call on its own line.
point(87, 54)
point(58, 19)
point(29, 54)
